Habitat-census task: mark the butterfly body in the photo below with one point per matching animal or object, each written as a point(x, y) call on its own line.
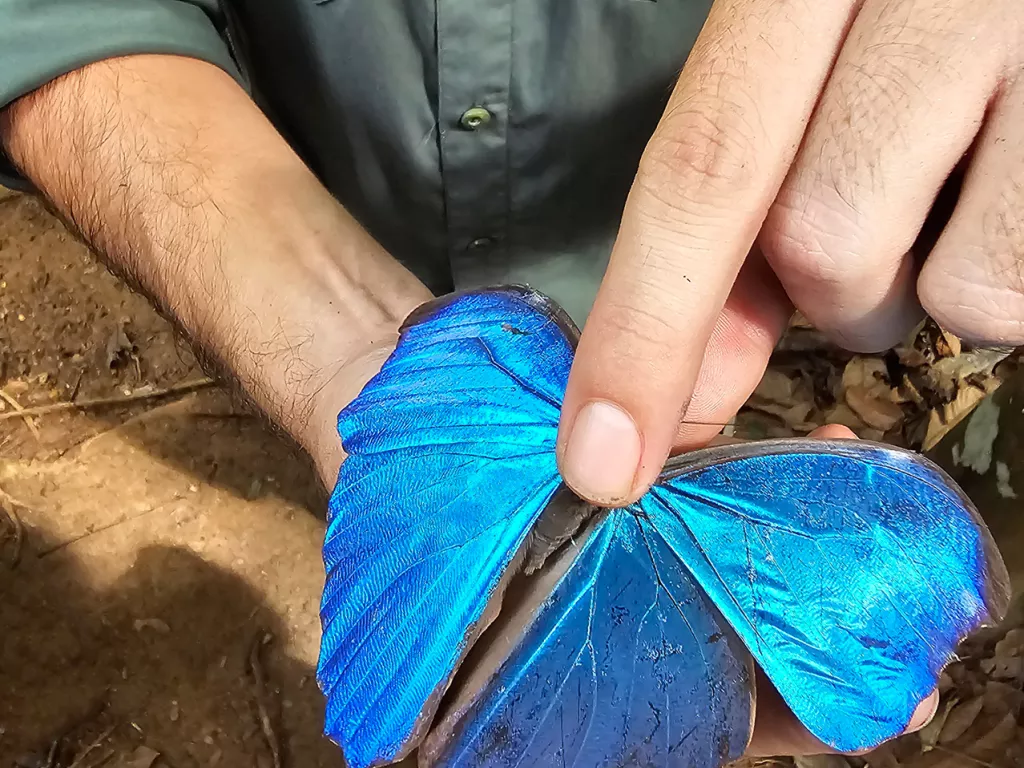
point(472, 607)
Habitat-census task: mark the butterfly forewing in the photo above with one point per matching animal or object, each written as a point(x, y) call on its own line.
point(451, 459)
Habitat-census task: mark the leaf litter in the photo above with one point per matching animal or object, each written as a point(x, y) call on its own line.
point(909, 396)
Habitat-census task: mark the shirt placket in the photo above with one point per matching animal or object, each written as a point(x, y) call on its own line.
point(474, 39)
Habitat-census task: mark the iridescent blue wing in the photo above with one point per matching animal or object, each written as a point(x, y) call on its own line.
point(850, 570)
point(626, 663)
point(451, 459)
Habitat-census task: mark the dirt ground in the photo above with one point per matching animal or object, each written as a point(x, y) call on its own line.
point(160, 572)
point(162, 541)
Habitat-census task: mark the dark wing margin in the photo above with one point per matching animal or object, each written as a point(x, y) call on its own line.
point(851, 570)
point(625, 663)
point(450, 461)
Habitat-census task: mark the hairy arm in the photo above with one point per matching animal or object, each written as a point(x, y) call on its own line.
point(169, 170)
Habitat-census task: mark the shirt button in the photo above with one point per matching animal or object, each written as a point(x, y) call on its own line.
point(480, 244)
point(474, 117)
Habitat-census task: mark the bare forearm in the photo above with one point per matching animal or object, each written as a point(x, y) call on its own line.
point(171, 172)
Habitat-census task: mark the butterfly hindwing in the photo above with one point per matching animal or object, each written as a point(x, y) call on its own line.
point(850, 570)
point(625, 663)
point(451, 460)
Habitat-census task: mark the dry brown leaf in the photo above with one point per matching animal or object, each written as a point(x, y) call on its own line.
point(1004, 668)
point(982, 749)
point(1012, 644)
point(929, 735)
point(776, 387)
point(987, 748)
point(942, 421)
point(868, 373)
point(867, 392)
point(841, 413)
point(948, 345)
point(947, 375)
point(17, 386)
point(960, 718)
point(799, 321)
point(1002, 697)
point(793, 416)
point(881, 414)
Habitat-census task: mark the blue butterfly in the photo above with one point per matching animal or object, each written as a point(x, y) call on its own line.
point(848, 571)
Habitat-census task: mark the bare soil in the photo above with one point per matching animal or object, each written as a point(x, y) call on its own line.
point(160, 541)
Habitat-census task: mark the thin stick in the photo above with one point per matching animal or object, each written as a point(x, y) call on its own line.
point(266, 724)
point(51, 758)
point(95, 745)
point(20, 412)
point(19, 534)
point(8, 508)
point(101, 402)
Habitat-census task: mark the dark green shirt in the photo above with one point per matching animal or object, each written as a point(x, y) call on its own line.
point(480, 141)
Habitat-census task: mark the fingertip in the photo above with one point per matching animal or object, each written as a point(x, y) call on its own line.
point(924, 713)
point(602, 454)
point(833, 432)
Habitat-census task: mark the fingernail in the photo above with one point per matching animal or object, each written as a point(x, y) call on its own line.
point(924, 713)
point(602, 453)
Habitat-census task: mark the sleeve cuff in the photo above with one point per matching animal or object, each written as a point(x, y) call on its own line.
point(41, 40)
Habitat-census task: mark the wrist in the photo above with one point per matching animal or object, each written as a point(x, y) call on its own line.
point(314, 316)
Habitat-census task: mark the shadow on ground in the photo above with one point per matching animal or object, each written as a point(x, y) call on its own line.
point(161, 656)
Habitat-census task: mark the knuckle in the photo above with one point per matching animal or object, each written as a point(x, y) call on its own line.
point(817, 244)
point(809, 246)
point(968, 300)
point(698, 157)
point(642, 324)
point(648, 331)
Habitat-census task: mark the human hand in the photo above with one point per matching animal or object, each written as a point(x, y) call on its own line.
point(344, 385)
point(828, 128)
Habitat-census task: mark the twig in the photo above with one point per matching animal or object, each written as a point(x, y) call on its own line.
point(51, 758)
point(101, 529)
point(19, 412)
point(19, 533)
point(266, 725)
point(77, 762)
point(102, 402)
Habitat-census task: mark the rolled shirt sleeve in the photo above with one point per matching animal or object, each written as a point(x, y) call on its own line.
point(43, 39)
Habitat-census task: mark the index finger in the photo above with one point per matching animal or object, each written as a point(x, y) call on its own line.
point(706, 180)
